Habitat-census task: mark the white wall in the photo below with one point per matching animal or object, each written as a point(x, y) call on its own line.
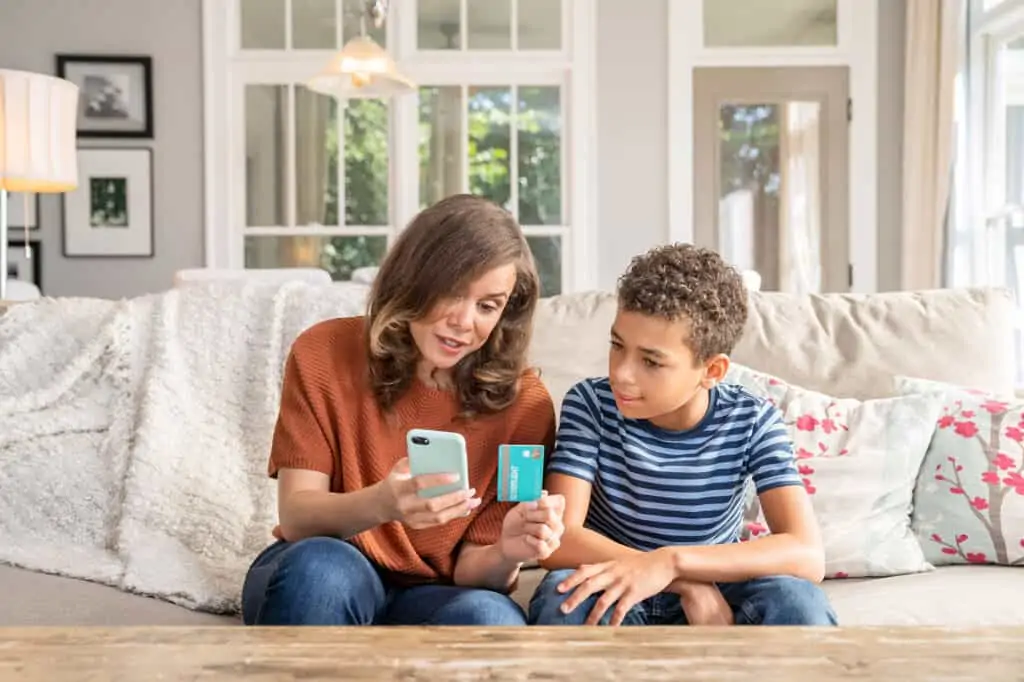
point(632, 68)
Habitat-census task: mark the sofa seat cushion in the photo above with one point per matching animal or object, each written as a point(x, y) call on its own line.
point(31, 598)
point(950, 596)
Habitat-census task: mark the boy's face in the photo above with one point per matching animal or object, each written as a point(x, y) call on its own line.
point(651, 368)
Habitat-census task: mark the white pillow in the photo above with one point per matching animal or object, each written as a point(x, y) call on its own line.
point(859, 461)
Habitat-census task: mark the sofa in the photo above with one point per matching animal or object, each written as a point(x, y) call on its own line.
point(851, 347)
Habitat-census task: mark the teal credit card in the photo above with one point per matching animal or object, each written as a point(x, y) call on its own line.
point(520, 472)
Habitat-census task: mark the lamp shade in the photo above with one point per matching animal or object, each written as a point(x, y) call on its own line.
point(362, 69)
point(37, 132)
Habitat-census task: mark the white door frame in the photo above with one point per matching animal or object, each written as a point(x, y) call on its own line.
point(857, 48)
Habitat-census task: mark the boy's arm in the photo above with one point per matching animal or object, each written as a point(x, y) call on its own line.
point(579, 545)
point(794, 546)
point(571, 471)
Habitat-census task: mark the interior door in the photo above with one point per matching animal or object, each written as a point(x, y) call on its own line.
point(771, 176)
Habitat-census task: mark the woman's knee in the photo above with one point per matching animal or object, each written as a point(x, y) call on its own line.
point(318, 580)
point(483, 608)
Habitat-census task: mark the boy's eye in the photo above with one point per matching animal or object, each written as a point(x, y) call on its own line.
point(651, 363)
point(615, 344)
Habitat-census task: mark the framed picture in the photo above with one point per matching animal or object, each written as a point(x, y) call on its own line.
point(110, 213)
point(18, 218)
point(115, 94)
point(22, 268)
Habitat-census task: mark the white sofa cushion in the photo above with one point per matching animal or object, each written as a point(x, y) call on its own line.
point(969, 502)
point(859, 461)
point(846, 345)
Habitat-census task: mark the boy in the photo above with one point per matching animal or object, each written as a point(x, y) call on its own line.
point(652, 462)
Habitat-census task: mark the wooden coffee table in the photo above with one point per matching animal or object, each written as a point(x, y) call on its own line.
point(903, 654)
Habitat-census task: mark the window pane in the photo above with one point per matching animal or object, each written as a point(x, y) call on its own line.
point(265, 184)
point(489, 24)
point(366, 162)
point(354, 11)
point(316, 158)
point(262, 24)
point(440, 143)
point(539, 123)
point(438, 25)
point(753, 23)
point(547, 254)
point(489, 144)
point(339, 256)
point(769, 212)
point(314, 26)
point(540, 25)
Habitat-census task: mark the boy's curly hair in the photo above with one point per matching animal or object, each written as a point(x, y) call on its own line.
point(685, 282)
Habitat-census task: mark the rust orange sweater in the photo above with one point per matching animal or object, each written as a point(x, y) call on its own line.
point(329, 422)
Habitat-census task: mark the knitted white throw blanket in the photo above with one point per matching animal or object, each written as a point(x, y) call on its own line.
point(134, 435)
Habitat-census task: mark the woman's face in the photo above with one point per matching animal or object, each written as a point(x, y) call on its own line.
point(459, 325)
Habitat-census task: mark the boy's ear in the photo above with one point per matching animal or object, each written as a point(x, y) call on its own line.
point(715, 370)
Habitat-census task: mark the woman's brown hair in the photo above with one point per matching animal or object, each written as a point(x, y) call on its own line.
point(442, 251)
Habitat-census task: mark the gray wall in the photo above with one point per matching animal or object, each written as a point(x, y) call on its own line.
point(32, 32)
point(632, 139)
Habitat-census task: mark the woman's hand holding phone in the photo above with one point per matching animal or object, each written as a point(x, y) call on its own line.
point(400, 499)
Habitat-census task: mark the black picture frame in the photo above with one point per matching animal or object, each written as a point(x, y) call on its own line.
point(72, 197)
point(14, 202)
point(16, 247)
point(100, 108)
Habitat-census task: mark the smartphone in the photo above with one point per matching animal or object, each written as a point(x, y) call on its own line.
point(438, 452)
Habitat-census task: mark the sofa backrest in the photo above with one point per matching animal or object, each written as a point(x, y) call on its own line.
point(846, 345)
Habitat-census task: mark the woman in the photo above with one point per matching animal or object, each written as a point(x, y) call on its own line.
point(443, 346)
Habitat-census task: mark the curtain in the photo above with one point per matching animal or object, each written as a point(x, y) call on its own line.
point(934, 29)
point(800, 198)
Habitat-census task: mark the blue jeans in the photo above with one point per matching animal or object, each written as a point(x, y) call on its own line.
point(779, 600)
point(326, 581)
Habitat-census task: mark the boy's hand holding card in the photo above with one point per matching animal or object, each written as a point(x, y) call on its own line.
point(520, 473)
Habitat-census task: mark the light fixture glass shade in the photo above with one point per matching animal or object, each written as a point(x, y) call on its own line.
point(362, 69)
point(37, 132)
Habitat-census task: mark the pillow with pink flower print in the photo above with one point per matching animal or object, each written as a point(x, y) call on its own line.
point(859, 461)
point(969, 501)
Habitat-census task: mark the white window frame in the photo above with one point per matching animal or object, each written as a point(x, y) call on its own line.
point(226, 69)
point(856, 47)
point(981, 195)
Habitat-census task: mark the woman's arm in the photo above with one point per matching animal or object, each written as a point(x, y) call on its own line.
point(503, 536)
point(307, 508)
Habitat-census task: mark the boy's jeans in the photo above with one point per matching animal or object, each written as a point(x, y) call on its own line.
point(780, 600)
point(326, 581)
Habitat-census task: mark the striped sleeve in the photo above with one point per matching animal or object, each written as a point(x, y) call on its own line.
point(578, 440)
point(771, 463)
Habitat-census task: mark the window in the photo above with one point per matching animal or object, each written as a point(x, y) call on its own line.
point(987, 228)
point(502, 110)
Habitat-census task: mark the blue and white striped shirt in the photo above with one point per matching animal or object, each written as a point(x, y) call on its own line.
point(653, 487)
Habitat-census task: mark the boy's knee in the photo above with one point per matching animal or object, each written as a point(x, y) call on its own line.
point(546, 603)
point(785, 600)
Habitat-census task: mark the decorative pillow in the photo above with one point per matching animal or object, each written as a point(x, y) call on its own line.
point(969, 501)
point(859, 461)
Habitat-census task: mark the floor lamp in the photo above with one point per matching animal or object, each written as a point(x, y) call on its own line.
point(37, 142)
